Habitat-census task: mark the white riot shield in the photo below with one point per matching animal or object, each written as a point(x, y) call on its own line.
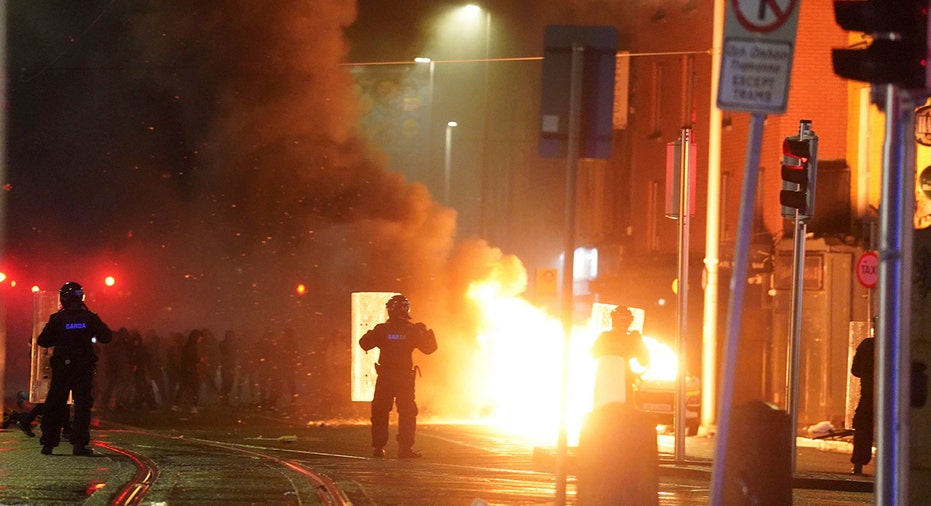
point(40, 375)
point(368, 310)
point(601, 317)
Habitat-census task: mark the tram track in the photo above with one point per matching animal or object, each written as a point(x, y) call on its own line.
point(147, 469)
point(136, 488)
point(478, 466)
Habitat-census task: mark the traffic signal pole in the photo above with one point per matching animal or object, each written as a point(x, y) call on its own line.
point(808, 146)
point(795, 336)
point(685, 207)
point(895, 63)
point(894, 330)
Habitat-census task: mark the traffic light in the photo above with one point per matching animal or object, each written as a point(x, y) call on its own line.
point(898, 53)
point(799, 171)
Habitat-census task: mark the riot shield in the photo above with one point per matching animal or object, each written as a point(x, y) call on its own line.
point(368, 310)
point(44, 303)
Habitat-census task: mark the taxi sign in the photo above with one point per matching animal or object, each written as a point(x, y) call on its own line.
point(868, 269)
point(756, 59)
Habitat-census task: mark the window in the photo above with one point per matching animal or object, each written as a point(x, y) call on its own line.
point(659, 69)
point(655, 209)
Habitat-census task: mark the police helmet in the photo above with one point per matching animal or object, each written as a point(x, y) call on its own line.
point(70, 293)
point(621, 315)
point(399, 307)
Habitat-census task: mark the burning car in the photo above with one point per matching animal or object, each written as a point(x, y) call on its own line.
point(658, 398)
point(656, 392)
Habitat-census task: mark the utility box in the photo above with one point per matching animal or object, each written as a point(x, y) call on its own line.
point(831, 299)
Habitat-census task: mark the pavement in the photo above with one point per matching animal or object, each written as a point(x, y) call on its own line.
point(821, 464)
point(27, 477)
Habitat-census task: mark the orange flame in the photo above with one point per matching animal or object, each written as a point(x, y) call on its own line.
point(521, 347)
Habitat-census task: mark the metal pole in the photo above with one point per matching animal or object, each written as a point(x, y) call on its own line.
point(448, 160)
point(735, 304)
point(685, 176)
point(572, 162)
point(893, 332)
point(795, 317)
point(487, 183)
point(795, 323)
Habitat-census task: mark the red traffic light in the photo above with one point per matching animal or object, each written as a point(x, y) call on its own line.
point(898, 53)
point(799, 170)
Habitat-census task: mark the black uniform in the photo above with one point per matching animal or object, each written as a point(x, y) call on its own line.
point(71, 331)
point(396, 340)
point(862, 367)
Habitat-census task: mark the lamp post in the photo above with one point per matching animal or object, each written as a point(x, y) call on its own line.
point(487, 186)
point(446, 167)
point(423, 59)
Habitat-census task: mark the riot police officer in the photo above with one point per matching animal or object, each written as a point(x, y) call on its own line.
point(396, 339)
point(72, 330)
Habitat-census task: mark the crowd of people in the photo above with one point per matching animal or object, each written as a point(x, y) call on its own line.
point(183, 372)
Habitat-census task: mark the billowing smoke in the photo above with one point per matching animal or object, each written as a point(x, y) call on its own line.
point(215, 148)
point(286, 190)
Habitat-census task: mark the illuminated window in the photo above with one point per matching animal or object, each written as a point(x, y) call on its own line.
point(585, 264)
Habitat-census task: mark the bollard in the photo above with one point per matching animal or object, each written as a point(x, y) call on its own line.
point(759, 456)
point(617, 458)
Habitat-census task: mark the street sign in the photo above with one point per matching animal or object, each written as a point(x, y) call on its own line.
point(868, 269)
point(756, 64)
point(599, 67)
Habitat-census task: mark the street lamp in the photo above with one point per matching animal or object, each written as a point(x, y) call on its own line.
point(446, 168)
point(473, 12)
point(423, 59)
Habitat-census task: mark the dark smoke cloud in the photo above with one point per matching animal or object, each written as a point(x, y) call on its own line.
point(208, 152)
point(285, 186)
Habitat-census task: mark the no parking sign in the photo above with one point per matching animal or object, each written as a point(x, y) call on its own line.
point(756, 60)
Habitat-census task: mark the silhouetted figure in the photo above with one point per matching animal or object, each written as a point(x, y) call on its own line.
point(140, 367)
point(613, 350)
point(25, 419)
point(396, 340)
point(72, 331)
point(115, 364)
point(192, 370)
point(269, 370)
point(173, 367)
point(229, 364)
point(862, 367)
point(153, 344)
point(248, 381)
